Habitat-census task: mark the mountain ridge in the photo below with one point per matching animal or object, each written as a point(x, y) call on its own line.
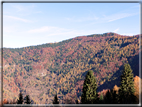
point(41, 71)
point(109, 33)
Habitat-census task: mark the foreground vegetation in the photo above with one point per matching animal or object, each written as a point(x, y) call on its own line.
point(124, 95)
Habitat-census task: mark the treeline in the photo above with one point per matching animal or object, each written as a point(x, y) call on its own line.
point(123, 95)
point(21, 100)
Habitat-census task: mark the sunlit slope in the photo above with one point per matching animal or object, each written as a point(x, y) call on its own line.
point(43, 70)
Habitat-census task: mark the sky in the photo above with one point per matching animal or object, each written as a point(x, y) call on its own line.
point(30, 24)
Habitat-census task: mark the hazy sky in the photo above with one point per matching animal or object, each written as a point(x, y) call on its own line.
point(26, 24)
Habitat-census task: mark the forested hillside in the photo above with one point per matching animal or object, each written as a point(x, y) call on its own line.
point(42, 71)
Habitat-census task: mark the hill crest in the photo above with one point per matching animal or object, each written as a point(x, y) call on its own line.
point(61, 67)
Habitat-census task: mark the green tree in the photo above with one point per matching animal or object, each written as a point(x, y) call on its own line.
point(126, 91)
point(55, 101)
point(20, 101)
point(101, 98)
point(27, 99)
point(89, 94)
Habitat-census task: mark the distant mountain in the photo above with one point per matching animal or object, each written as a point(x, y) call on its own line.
point(44, 70)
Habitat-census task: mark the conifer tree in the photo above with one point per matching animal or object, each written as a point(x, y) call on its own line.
point(111, 97)
point(27, 99)
point(77, 101)
point(126, 91)
point(108, 97)
point(55, 101)
point(114, 96)
point(20, 101)
point(89, 94)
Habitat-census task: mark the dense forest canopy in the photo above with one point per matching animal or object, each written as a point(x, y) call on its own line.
point(51, 68)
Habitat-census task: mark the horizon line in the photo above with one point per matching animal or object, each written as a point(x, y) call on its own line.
point(66, 40)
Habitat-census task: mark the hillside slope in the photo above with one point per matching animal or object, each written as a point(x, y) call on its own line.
point(43, 70)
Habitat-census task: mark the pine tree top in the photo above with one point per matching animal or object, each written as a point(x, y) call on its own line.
point(20, 101)
point(89, 88)
point(27, 99)
point(126, 91)
point(55, 101)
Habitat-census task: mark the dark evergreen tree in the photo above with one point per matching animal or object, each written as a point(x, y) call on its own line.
point(27, 100)
point(76, 102)
point(55, 101)
point(111, 97)
point(89, 95)
point(126, 91)
point(108, 98)
point(20, 101)
point(114, 97)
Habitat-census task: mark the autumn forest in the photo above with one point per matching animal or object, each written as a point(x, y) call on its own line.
point(58, 72)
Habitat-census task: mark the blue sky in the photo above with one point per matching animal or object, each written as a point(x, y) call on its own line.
point(26, 24)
